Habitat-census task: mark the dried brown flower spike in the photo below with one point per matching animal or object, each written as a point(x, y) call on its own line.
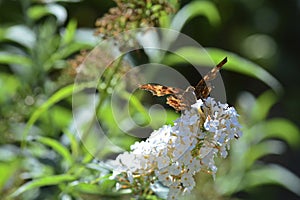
point(133, 14)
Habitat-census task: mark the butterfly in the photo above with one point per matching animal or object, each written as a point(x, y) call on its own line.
point(183, 99)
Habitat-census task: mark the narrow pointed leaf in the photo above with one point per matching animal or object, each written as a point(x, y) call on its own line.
point(45, 181)
point(193, 9)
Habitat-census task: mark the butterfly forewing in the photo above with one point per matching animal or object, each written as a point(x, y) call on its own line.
point(203, 88)
point(160, 90)
point(180, 99)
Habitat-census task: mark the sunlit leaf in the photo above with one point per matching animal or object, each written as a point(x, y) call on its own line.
point(279, 128)
point(39, 11)
point(63, 53)
point(69, 33)
point(7, 171)
point(115, 133)
point(235, 63)
point(241, 65)
point(58, 96)
point(9, 85)
point(87, 188)
point(264, 148)
point(272, 174)
point(283, 129)
point(73, 143)
point(57, 147)
point(61, 94)
point(193, 9)
point(105, 187)
point(45, 181)
point(61, 116)
point(263, 105)
point(20, 34)
point(137, 105)
point(9, 58)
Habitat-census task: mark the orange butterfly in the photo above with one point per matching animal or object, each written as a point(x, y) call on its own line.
point(182, 99)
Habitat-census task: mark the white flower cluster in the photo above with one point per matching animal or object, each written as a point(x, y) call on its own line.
point(173, 154)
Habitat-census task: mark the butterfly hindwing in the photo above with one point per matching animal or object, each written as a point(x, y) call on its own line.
point(184, 100)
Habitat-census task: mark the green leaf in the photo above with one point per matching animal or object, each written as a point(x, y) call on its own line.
point(63, 53)
point(9, 58)
point(263, 105)
point(58, 96)
point(58, 147)
point(194, 9)
point(69, 32)
point(36, 12)
point(135, 102)
point(235, 63)
point(241, 65)
point(104, 188)
point(87, 188)
point(272, 174)
point(75, 148)
point(61, 116)
point(11, 84)
point(7, 171)
point(39, 11)
point(279, 128)
point(20, 34)
point(283, 129)
point(263, 149)
point(45, 181)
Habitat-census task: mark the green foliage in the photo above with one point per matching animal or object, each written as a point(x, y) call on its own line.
point(195, 8)
point(262, 137)
point(45, 181)
point(236, 63)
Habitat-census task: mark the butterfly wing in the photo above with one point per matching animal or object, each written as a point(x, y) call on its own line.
point(203, 88)
point(178, 98)
point(184, 100)
point(160, 90)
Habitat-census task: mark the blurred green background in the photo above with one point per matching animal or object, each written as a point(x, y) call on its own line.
point(266, 32)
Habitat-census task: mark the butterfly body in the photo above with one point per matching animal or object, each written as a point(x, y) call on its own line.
point(182, 99)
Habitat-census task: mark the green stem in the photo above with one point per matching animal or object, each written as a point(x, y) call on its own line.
point(102, 96)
